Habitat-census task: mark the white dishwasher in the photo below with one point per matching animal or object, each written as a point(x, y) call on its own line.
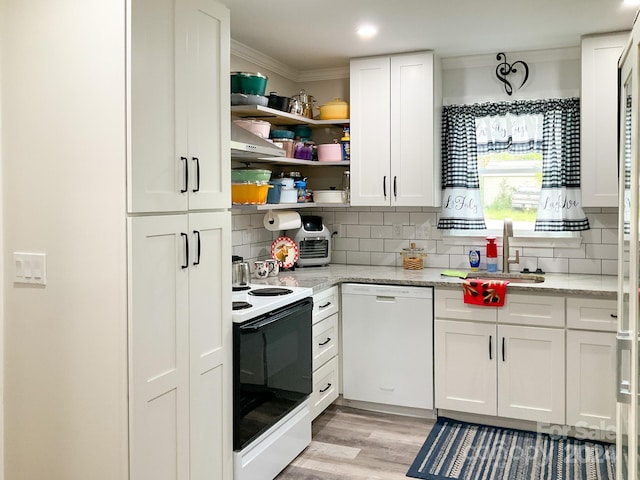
point(387, 344)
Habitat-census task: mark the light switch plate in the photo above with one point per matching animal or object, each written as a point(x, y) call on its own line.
point(30, 268)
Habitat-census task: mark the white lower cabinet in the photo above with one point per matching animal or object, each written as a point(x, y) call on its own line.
point(531, 373)
point(326, 341)
point(180, 346)
point(504, 370)
point(325, 386)
point(465, 366)
point(591, 364)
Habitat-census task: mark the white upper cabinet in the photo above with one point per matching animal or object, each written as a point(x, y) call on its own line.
point(395, 130)
point(178, 106)
point(599, 122)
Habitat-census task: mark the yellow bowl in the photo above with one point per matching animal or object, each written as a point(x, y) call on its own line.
point(334, 110)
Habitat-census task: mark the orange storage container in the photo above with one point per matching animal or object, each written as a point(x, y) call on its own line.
point(249, 193)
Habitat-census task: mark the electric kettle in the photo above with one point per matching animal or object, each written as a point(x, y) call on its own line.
point(240, 273)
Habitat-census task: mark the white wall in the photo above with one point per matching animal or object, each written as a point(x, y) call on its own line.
point(63, 171)
point(552, 74)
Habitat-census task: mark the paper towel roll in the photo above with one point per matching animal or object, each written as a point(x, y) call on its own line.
point(282, 220)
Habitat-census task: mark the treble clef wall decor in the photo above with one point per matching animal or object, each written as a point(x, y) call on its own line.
point(503, 69)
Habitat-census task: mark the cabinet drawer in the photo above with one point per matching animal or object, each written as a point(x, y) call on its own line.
point(325, 340)
point(325, 303)
point(592, 314)
point(325, 387)
point(532, 309)
point(449, 303)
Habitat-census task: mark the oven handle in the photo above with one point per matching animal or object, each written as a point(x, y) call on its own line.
point(269, 319)
point(261, 324)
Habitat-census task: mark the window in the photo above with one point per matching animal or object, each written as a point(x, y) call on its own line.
point(510, 188)
point(518, 160)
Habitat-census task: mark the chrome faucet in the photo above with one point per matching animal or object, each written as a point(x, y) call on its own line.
point(507, 233)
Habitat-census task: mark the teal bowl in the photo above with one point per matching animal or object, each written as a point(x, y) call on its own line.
point(248, 83)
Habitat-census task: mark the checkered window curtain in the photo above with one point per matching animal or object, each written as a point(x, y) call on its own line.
point(461, 203)
point(469, 129)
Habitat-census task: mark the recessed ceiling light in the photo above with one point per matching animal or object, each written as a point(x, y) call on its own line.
point(631, 2)
point(367, 31)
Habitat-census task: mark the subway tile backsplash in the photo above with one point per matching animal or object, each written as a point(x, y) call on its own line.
point(376, 235)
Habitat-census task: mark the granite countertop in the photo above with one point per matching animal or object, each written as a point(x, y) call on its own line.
point(319, 278)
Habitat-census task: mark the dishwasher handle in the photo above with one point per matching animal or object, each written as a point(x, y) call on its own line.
point(385, 299)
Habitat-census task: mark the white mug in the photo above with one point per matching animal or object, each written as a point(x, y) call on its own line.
point(260, 269)
point(274, 267)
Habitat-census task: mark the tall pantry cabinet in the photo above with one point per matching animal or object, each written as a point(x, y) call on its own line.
point(179, 240)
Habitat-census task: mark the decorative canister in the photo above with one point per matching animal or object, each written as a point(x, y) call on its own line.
point(413, 257)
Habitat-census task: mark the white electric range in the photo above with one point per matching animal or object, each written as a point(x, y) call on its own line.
point(272, 378)
point(258, 299)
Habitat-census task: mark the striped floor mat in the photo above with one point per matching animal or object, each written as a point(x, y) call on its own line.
point(465, 451)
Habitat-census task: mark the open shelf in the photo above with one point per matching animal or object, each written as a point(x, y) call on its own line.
point(281, 118)
point(291, 161)
point(289, 206)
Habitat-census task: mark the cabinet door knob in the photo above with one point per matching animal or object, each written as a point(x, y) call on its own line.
point(395, 186)
point(322, 344)
point(186, 175)
point(503, 357)
point(384, 186)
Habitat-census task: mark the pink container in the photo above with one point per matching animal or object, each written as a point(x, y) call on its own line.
point(258, 127)
point(330, 152)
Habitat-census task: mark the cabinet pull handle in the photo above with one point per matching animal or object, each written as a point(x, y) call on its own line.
point(186, 247)
point(490, 349)
point(322, 344)
point(324, 306)
point(186, 175)
point(384, 186)
point(197, 234)
point(613, 315)
point(197, 160)
point(395, 186)
point(326, 388)
point(503, 359)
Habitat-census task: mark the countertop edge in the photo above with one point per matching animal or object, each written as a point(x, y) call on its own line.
point(321, 278)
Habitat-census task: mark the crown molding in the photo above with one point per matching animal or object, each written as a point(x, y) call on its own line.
point(324, 74)
point(258, 58)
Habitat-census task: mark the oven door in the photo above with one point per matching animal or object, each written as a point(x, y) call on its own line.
point(272, 370)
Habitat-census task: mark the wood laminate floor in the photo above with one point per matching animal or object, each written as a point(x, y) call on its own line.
point(356, 444)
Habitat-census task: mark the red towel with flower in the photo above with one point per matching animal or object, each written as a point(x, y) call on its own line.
point(490, 293)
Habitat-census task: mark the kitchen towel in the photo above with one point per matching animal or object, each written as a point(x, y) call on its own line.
point(490, 293)
point(282, 220)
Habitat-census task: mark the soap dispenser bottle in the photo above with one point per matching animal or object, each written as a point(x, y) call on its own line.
point(492, 255)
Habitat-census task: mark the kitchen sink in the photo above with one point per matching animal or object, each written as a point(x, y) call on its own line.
point(511, 277)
